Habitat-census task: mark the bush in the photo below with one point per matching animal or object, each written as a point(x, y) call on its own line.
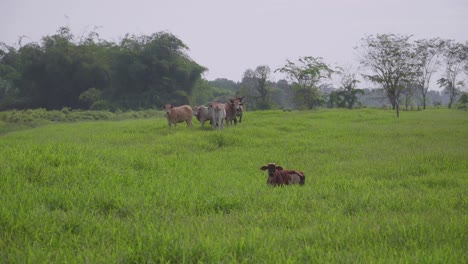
point(90, 96)
point(14, 120)
point(101, 105)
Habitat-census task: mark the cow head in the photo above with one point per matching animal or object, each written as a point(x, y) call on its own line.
point(236, 103)
point(274, 177)
point(271, 167)
point(195, 110)
point(167, 108)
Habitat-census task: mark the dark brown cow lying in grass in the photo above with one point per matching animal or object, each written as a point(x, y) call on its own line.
point(178, 114)
point(277, 176)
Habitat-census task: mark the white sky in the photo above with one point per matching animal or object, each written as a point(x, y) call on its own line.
point(229, 37)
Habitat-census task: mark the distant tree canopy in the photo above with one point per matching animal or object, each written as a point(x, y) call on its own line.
point(138, 72)
point(401, 67)
point(143, 71)
point(306, 75)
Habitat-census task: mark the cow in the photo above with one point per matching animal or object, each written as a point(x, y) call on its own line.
point(178, 115)
point(231, 111)
point(203, 114)
point(218, 114)
point(277, 176)
point(240, 111)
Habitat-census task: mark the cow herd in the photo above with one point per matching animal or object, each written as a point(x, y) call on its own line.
point(218, 114)
point(227, 113)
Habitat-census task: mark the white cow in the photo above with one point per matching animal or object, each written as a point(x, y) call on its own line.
point(203, 114)
point(219, 114)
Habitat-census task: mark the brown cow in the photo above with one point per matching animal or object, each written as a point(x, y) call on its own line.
point(277, 176)
point(178, 114)
point(231, 111)
point(240, 111)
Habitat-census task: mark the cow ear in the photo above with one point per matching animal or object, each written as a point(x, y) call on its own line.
point(172, 106)
point(264, 167)
point(279, 168)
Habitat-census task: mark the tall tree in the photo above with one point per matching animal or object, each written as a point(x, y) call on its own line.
point(248, 90)
point(455, 56)
point(306, 74)
point(261, 75)
point(427, 55)
point(409, 89)
point(254, 87)
point(391, 61)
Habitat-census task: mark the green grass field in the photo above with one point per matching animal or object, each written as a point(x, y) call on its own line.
point(379, 189)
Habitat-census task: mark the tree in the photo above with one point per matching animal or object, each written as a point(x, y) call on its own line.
point(409, 88)
point(153, 70)
point(139, 72)
point(284, 96)
point(427, 54)
point(9, 77)
point(455, 56)
point(247, 89)
point(261, 75)
point(89, 97)
point(463, 101)
point(254, 87)
point(347, 94)
point(391, 61)
point(306, 74)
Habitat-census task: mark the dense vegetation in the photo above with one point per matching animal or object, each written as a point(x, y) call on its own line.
point(142, 72)
point(138, 72)
point(378, 190)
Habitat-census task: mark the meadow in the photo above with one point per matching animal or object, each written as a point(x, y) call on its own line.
point(379, 189)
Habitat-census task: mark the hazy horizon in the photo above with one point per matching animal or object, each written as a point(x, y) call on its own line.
point(231, 37)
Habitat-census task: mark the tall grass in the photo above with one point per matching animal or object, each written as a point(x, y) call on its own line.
point(378, 189)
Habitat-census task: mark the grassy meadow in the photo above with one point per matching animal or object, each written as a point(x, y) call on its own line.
point(379, 189)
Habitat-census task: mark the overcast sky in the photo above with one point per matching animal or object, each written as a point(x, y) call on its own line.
point(229, 37)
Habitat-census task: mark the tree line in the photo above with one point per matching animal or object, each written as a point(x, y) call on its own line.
point(62, 71)
point(402, 69)
point(142, 72)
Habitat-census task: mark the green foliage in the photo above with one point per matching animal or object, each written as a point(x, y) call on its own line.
point(378, 190)
point(455, 58)
point(306, 75)
point(390, 59)
point(463, 101)
point(212, 91)
point(89, 97)
point(463, 98)
point(139, 72)
point(16, 120)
